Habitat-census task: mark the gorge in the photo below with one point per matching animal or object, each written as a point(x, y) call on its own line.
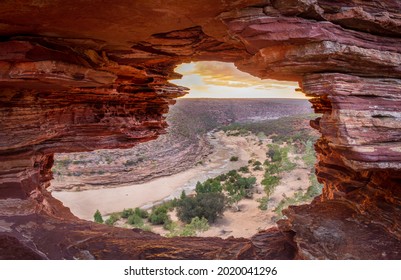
point(74, 78)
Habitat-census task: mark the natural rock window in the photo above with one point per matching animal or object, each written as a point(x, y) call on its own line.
point(249, 138)
point(82, 79)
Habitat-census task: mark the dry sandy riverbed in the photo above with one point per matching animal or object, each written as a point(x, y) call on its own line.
point(83, 204)
point(244, 223)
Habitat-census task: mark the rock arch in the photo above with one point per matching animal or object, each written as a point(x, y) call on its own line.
point(74, 78)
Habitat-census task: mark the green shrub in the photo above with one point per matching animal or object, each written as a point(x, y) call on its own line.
point(112, 219)
point(135, 220)
point(232, 173)
point(159, 215)
point(238, 189)
point(98, 217)
point(234, 158)
point(141, 213)
point(263, 203)
point(246, 183)
point(272, 169)
point(270, 183)
point(288, 166)
point(274, 153)
point(158, 218)
point(206, 205)
point(126, 213)
point(244, 169)
point(196, 225)
point(222, 177)
point(209, 186)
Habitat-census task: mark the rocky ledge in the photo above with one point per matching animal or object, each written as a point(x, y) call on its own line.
point(77, 79)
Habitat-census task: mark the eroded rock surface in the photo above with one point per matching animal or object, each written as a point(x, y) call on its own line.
point(74, 78)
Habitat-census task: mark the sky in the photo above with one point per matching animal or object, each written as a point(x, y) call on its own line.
point(210, 79)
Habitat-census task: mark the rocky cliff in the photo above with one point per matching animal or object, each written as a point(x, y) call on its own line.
point(74, 78)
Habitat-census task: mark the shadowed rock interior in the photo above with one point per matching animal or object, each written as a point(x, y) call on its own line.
point(74, 78)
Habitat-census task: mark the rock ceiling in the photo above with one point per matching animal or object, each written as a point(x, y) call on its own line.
point(78, 76)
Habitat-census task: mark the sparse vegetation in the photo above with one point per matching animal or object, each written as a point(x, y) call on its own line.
point(98, 217)
point(244, 169)
point(280, 130)
point(287, 201)
point(207, 205)
point(234, 158)
point(195, 226)
point(159, 215)
point(197, 211)
point(239, 188)
point(112, 219)
point(209, 186)
point(309, 155)
point(135, 220)
point(299, 197)
point(263, 203)
point(270, 183)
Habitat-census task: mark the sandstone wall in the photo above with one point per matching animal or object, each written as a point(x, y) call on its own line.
point(78, 78)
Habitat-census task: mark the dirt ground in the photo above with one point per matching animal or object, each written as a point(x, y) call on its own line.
point(244, 223)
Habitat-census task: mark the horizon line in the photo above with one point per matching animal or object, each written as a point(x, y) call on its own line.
point(291, 98)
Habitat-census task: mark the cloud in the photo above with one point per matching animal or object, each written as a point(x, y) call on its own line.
point(223, 79)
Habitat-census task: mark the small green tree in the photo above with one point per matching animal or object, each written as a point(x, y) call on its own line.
point(183, 195)
point(98, 217)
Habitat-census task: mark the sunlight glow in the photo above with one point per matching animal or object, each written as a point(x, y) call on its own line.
point(223, 80)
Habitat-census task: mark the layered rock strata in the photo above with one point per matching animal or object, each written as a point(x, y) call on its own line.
point(74, 78)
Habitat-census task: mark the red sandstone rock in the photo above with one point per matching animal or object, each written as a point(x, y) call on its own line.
point(74, 78)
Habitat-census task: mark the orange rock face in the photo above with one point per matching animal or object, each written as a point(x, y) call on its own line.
point(74, 78)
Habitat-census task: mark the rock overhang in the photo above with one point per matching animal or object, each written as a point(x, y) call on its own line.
point(73, 79)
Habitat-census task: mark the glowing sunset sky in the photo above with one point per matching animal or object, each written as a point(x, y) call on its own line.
point(223, 80)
